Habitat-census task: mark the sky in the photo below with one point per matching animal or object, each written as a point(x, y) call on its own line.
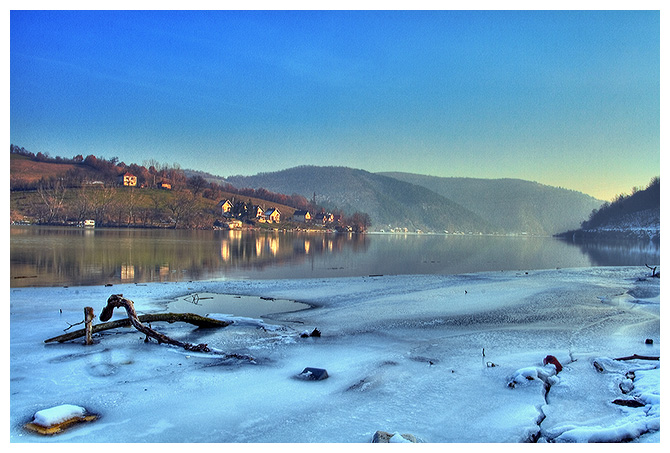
point(565, 98)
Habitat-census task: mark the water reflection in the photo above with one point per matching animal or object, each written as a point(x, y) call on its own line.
point(52, 256)
point(257, 249)
point(613, 252)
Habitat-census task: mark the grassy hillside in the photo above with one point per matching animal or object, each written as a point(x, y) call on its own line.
point(24, 168)
point(48, 195)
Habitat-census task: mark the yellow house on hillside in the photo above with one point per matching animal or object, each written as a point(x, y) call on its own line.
point(128, 179)
point(225, 206)
point(272, 215)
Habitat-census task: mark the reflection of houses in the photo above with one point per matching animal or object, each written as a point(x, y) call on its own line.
point(225, 207)
point(225, 250)
point(127, 272)
point(302, 216)
point(128, 179)
point(272, 215)
point(273, 246)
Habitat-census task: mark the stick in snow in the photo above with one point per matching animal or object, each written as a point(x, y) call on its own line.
point(639, 357)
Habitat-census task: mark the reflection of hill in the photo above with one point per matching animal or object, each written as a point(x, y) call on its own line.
point(615, 251)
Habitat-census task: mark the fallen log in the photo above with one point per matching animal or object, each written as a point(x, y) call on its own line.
point(628, 403)
point(190, 318)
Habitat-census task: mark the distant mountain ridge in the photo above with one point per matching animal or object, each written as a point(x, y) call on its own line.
point(512, 205)
point(432, 203)
point(389, 202)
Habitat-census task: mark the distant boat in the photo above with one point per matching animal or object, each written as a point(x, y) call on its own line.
point(89, 223)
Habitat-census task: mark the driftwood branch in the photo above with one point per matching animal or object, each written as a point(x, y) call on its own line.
point(653, 271)
point(196, 320)
point(639, 357)
point(118, 301)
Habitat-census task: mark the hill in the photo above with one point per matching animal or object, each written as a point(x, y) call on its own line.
point(512, 205)
point(67, 191)
point(390, 203)
point(30, 170)
point(431, 203)
point(637, 215)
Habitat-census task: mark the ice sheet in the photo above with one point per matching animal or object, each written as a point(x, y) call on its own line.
point(427, 355)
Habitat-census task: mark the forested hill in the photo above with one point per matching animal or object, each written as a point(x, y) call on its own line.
point(637, 215)
point(512, 205)
point(390, 203)
point(436, 204)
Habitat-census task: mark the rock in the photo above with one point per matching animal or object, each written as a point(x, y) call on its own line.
point(313, 374)
point(383, 437)
point(56, 419)
point(628, 403)
point(626, 386)
point(648, 341)
point(314, 333)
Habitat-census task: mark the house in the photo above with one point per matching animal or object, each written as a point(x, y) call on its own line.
point(128, 179)
point(232, 224)
point(302, 216)
point(256, 212)
point(225, 207)
point(323, 218)
point(272, 215)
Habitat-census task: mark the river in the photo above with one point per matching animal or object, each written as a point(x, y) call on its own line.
point(61, 256)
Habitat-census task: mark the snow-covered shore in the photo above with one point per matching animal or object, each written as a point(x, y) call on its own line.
point(444, 358)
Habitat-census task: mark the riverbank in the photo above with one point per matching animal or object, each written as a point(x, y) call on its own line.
point(432, 356)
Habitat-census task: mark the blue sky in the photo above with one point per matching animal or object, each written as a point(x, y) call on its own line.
point(566, 98)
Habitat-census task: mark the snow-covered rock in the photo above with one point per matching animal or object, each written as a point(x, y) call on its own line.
point(58, 414)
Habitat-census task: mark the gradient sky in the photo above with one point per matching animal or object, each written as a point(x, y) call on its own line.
point(565, 98)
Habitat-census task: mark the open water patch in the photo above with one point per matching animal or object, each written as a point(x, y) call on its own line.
point(230, 304)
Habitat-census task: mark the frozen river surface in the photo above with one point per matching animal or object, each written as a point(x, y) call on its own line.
point(446, 358)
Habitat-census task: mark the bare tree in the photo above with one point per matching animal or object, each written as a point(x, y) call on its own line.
point(181, 207)
point(52, 195)
point(101, 200)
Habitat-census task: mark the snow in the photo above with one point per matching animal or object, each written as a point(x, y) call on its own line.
point(397, 438)
point(431, 355)
point(59, 414)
